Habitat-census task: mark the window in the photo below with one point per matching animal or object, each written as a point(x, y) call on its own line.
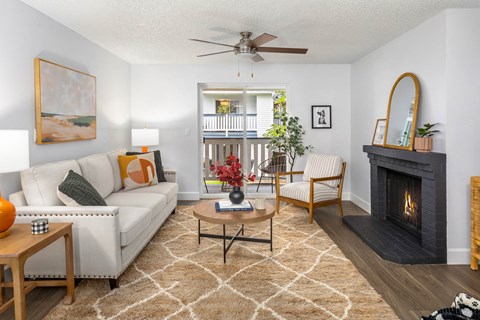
point(225, 106)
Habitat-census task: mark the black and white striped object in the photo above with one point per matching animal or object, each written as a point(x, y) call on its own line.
point(39, 226)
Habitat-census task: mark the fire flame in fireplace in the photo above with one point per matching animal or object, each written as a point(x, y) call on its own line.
point(409, 205)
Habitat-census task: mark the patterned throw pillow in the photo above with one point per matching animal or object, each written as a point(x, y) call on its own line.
point(76, 191)
point(464, 307)
point(158, 164)
point(137, 171)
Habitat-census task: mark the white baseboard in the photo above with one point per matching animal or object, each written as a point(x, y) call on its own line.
point(196, 196)
point(188, 196)
point(346, 196)
point(365, 205)
point(458, 256)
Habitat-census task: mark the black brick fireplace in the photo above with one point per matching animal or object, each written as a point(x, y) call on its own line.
point(408, 206)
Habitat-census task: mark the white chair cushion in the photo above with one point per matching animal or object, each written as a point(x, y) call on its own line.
point(153, 201)
point(321, 166)
point(113, 158)
point(133, 221)
point(98, 171)
point(39, 183)
point(301, 191)
point(166, 188)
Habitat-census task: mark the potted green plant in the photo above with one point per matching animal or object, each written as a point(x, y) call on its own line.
point(423, 140)
point(287, 137)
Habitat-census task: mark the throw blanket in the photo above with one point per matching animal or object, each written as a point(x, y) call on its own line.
point(463, 307)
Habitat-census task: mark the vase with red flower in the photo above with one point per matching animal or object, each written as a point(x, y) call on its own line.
point(231, 173)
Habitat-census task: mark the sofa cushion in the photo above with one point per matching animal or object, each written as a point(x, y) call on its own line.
point(76, 191)
point(158, 164)
point(98, 171)
point(113, 158)
point(168, 189)
point(321, 166)
point(133, 221)
point(137, 171)
point(301, 191)
point(40, 183)
point(154, 202)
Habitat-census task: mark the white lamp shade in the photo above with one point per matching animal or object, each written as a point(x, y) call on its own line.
point(145, 137)
point(14, 150)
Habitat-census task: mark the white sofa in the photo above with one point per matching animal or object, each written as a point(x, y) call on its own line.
point(106, 238)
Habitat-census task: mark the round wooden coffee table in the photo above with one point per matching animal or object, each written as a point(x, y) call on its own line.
point(205, 211)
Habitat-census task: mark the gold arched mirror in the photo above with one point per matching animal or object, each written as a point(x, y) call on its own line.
point(402, 112)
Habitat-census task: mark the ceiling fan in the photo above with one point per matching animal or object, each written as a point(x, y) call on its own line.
point(250, 48)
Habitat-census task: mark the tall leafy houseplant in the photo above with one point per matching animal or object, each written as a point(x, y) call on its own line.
point(287, 137)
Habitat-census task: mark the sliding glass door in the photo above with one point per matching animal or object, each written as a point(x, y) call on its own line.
point(237, 120)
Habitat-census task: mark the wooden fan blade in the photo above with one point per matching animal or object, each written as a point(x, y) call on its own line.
point(257, 58)
point(210, 42)
point(262, 39)
point(282, 50)
point(211, 54)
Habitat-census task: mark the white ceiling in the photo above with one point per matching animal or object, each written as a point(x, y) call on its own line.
point(157, 31)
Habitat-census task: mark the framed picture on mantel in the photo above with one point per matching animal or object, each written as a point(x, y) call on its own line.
point(379, 134)
point(321, 117)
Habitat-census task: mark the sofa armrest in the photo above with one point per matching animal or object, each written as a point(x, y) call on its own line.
point(96, 241)
point(18, 199)
point(170, 175)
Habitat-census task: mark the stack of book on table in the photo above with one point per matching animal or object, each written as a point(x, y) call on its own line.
point(222, 206)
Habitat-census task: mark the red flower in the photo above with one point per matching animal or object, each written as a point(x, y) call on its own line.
point(231, 172)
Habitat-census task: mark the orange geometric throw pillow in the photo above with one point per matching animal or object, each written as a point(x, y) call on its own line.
point(137, 171)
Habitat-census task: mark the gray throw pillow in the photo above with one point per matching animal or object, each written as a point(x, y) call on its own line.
point(76, 191)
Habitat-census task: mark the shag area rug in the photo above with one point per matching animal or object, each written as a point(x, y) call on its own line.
point(305, 277)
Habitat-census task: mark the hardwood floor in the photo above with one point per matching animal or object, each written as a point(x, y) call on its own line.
point(411, 290)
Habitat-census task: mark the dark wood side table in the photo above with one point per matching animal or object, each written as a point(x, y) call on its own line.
point(17, 248)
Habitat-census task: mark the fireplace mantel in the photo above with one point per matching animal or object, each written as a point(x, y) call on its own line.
point(388, 240)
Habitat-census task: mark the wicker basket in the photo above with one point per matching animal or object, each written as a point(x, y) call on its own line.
point(475, 221)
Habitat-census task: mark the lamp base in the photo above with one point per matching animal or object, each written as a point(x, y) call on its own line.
point(144, 149)
point(4, 234)
point(7, 216)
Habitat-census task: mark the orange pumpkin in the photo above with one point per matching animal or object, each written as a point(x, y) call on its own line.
point(7, 214)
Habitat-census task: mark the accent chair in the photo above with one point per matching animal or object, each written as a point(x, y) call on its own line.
point(321, 185)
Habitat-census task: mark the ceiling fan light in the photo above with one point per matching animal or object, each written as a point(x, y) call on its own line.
point(245, 54)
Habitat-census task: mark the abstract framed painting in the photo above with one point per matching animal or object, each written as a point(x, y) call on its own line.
point(65, 103)
point(321, 117)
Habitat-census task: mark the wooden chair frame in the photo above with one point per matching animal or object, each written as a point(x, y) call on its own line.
point(311, 205)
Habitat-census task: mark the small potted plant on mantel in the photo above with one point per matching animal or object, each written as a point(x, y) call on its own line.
point(424, 141)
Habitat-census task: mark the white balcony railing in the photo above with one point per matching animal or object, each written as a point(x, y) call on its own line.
point(228, 122)
point(217, 149)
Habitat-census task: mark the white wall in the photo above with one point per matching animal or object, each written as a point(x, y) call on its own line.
point(264, 113)
point(420, 51)
point(443, 52)
point(26, 34)
point(165, 96)
point(463, 125)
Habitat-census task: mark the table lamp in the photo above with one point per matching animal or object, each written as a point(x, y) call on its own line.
point(14, 146)
point(145, 137)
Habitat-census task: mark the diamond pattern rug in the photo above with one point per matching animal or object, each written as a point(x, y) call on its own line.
point(305, 277)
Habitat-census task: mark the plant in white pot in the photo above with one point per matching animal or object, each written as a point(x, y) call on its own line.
point(424, 141)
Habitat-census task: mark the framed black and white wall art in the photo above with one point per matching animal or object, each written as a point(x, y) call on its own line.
point(321, 117)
